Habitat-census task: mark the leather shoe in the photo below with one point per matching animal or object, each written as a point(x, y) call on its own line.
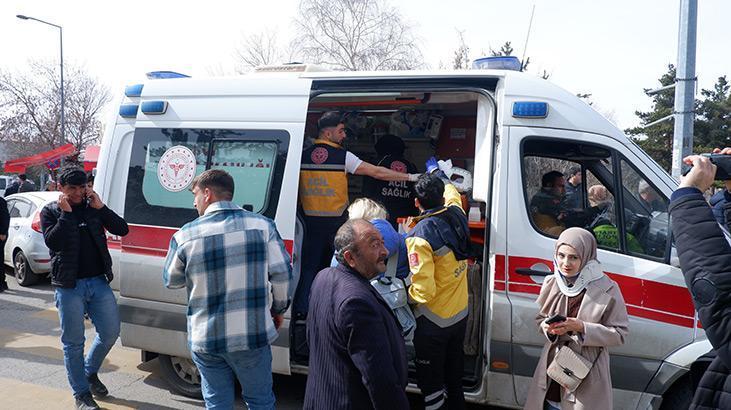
point(96, 386)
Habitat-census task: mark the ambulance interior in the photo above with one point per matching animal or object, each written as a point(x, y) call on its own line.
point(439, 124)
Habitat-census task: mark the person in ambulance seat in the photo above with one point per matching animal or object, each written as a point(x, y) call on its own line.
point(438, 248)
point(323, 194)
point(550, 210)
point(396, 196)
point(547, 208)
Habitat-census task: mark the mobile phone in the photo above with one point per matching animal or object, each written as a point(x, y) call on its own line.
point(722, 163)
point(555, 319)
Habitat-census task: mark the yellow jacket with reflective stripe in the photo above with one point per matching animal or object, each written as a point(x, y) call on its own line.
point(439, 280)
point(323, 187)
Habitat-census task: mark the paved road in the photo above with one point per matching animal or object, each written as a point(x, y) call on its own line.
point(32, 374)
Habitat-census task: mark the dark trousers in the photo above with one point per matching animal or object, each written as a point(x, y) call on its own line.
point(2, 264)
point(317, 252)
point(440, 363)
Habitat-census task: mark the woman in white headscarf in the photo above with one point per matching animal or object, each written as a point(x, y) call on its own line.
point(596, 318)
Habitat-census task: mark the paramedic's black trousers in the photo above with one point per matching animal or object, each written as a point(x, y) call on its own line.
point(317, 252)
point(440, 363)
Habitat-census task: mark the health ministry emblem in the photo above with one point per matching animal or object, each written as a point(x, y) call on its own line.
point(176, 168)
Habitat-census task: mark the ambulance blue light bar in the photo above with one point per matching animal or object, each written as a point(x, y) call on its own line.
point(128, 110)
point(154, 107)
point(497, 63)
point(133, 90)
point(162, 75)
point(530, 109)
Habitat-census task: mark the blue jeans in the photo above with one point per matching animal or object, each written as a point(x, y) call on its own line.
point(92, 295)
point(253, 368)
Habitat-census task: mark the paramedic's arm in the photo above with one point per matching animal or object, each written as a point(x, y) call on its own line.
point(55, 230)
point(173, 274)
point(421, 262)
point(452, 197)
point(280, 272)
point(363, 328)
point(382, 173)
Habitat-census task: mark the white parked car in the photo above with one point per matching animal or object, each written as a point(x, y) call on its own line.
point(25, 249)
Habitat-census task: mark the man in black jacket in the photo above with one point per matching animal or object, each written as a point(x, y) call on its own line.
point(4, 225)
point(705, 258)
point(81, 269)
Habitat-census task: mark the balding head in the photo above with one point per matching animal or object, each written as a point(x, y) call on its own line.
point(359, 245)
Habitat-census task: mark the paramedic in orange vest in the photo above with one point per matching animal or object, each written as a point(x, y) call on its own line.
point(323, 193)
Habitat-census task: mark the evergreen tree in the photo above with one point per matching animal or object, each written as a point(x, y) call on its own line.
point(714, 117)
point(657, 140)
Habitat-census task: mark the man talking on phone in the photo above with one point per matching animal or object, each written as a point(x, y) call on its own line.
point(81, 269)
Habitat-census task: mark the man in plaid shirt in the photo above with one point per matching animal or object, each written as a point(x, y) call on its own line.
point(237, 273)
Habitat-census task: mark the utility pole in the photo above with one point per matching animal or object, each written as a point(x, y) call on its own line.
point(685, 81)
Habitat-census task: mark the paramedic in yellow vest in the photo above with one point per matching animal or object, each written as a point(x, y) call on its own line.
point(438, 247)
point(323, 193)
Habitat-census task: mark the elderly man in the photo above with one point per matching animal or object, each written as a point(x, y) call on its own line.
point(357, 353)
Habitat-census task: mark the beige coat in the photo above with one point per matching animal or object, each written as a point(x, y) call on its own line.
point(605, 323)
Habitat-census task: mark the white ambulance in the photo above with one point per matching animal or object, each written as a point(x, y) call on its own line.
point(508, 128)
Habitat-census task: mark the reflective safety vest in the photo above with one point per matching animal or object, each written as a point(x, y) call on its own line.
point(323, 180)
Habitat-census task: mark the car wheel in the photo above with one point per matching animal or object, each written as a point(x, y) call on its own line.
point(24, 275)
point(182, 375)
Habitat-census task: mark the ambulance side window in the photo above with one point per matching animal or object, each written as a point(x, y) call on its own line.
point(623, 210)
point(164, 162)
point(645, 214)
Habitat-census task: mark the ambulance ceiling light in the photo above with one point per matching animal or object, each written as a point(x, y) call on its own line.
point(530, 109)
point(497, 63)
point(134, 90)
point(128, 110)
point(154, 107)
point(163, 75)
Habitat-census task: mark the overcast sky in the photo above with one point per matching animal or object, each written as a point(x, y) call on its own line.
point(609, 49)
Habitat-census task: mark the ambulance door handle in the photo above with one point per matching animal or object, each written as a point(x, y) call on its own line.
point(532, 272)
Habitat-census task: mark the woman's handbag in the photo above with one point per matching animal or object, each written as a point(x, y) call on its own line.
point(393, 291)
point(569, 368)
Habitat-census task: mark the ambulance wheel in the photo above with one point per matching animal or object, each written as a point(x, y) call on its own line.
point(182, 375)
point(678, 396)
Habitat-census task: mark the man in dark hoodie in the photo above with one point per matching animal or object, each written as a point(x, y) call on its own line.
point(81, 269)
point(705, 258)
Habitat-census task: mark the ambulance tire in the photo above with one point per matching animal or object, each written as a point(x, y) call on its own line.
point(182, 375)
point(678, 396)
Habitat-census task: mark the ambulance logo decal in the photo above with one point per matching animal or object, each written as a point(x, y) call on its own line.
point(176, 168)
point(398, 166)
point(414, 259)
point(319, 155)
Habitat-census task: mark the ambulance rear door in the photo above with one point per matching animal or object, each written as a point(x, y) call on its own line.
point(252, 127)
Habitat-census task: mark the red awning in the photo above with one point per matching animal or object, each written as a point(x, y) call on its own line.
point(18, 165)
point(91, 156)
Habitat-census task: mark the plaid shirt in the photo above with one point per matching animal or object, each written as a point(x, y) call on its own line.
point(237, 273)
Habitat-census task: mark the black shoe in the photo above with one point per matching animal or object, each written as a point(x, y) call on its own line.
point(96, 386)
point(86, 402)
point(3, 286)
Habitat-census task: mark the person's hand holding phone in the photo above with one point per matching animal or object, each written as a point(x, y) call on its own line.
point(94, 200)
point(571, 324)
point(63, 203)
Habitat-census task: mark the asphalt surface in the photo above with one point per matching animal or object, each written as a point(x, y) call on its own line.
point(32, 374)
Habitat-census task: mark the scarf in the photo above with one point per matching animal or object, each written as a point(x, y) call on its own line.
point(590, 270)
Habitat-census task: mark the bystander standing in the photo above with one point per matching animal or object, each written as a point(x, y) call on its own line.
point(357, 353)
point(237, 273)
point(74, 231)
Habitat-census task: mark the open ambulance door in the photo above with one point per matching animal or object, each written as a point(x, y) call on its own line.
point(252, 127)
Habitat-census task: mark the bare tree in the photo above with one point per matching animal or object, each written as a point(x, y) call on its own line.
point(461, 60)
point(30, 108)
point(356, 35)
